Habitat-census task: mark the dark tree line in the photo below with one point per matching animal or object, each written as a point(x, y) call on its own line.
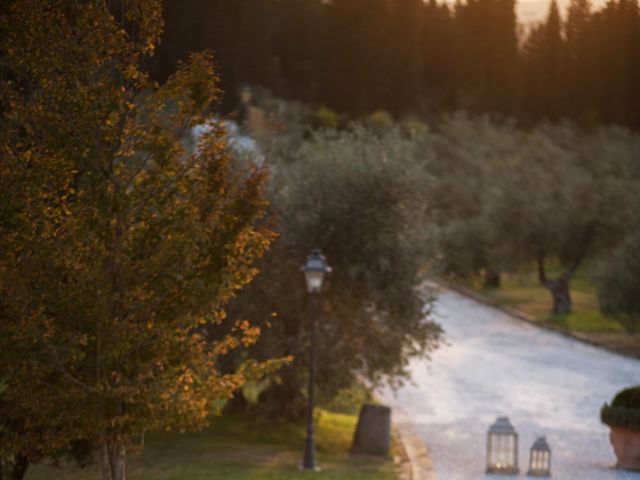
point(415, 57)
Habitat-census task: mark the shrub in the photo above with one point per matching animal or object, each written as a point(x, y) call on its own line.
point(618, 288)
point(380, 121)
point(624, 410)
point(326, 118)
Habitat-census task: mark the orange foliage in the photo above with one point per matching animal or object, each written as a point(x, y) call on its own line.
point(119, 247)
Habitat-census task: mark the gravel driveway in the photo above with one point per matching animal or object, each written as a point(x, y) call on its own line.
point(497, 365)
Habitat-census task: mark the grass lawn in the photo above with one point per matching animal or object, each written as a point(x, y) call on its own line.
point(523, 292)
point(241, 447)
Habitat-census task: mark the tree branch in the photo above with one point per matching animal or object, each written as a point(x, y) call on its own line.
point(58, 363)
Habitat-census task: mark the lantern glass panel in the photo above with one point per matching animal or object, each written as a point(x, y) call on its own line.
point(540, 459)
point(504, 457)
point(502, 448)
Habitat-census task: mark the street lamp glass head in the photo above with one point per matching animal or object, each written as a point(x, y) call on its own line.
point(314, 270)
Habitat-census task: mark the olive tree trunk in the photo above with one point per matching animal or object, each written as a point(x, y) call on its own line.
point(492, 279)
point(558, 287)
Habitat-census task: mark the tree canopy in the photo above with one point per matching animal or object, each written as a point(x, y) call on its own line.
point(507, 198)
point(118, 246)
point(618, 291)
point(359, 196)
point(421, 58)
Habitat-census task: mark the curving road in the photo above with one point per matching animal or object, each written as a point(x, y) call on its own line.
point(494, 364)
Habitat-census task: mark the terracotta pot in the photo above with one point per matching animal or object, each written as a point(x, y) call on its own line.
point(626, 445)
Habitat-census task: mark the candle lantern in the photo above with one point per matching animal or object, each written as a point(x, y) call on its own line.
point(540, 459)
point(502, 448)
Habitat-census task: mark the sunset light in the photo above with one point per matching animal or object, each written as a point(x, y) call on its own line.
point(332, 239)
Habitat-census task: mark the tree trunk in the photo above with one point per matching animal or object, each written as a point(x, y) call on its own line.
point(491, 279)
point(559, 289)
point(113, 460)
point(14, 470)
point(19, 468)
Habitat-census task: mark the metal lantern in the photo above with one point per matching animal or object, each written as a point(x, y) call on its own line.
point(314, 270)
point(540, 459)
point(502, 448)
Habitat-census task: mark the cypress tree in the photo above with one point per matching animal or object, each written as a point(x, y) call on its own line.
point(579, 62)
point(542, 69)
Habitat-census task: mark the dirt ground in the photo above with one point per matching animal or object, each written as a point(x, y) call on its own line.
point(626, 344)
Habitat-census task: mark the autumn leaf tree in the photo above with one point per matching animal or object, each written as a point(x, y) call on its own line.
point(119, 248)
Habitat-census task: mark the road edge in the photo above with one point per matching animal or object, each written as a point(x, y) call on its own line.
point(464, 291)
point(417, 453)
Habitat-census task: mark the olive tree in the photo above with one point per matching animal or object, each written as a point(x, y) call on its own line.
point(618, 286)
point(462, 154)
point(505, 197)
point(361, 198)
point(563, 196)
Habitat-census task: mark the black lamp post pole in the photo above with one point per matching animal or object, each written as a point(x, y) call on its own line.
point(314, 270)
point(309, 461)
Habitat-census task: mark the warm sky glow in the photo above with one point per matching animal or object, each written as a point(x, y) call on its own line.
point(536, 10)
point(531, 11)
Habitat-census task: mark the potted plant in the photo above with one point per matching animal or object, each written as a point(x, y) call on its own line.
point(623, 417)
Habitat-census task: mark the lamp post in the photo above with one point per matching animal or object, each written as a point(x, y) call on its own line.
point(314, 270)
